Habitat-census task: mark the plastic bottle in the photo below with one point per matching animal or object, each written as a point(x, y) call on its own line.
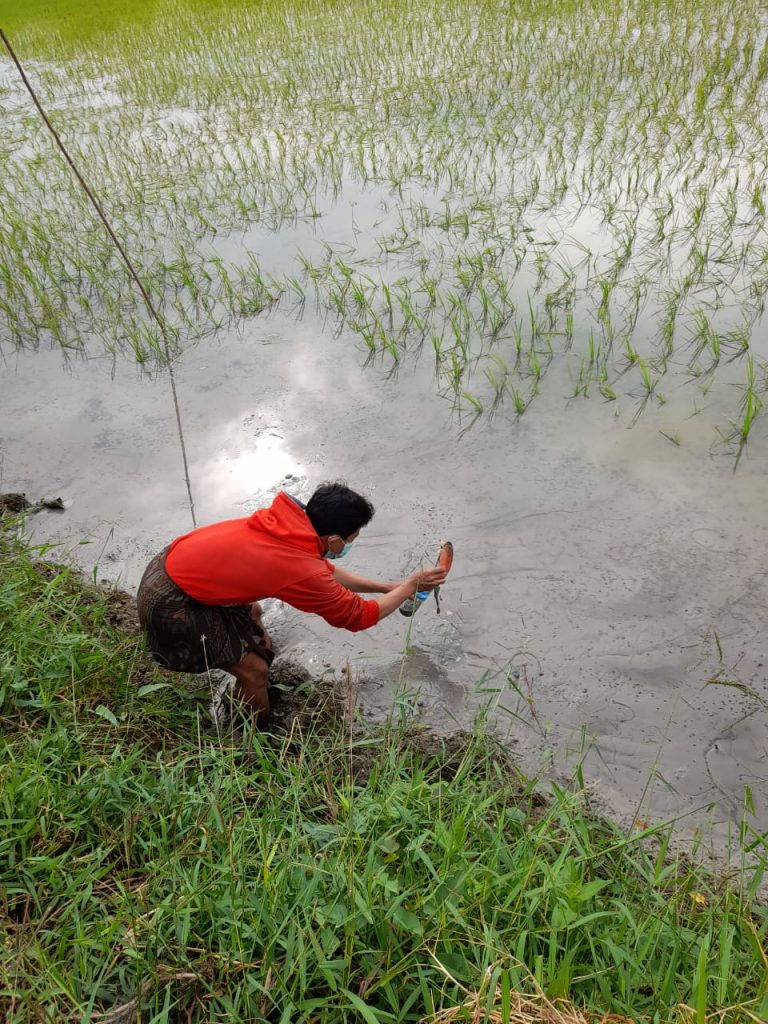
point(411, 605)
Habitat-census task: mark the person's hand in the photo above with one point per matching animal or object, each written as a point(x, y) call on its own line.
point(426, 579)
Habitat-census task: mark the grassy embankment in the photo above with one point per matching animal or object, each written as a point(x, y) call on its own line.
point(316, 873)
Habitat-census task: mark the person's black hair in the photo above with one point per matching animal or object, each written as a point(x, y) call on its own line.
point(335, 508)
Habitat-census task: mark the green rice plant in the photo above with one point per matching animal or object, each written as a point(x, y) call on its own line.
point(739, 339)
point(520, 403)
point(758, 201)
point(184, 146)
point(631, 354)
point(606, 290)
point(605, 388)
point(387, 303)
point(674, 438)
point(429, 286)
point(474, 401)
point(517, 335)
point(569, 328)
point(534, 365)
point(390, 346)
point(593, 349)
point(456, 371)
point(649, 384)
point(583, 380)
point(751, 403)
point(295, 287)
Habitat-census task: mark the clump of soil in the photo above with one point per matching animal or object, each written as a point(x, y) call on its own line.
point(302, 702)
point(13, 503)
point(121, 610)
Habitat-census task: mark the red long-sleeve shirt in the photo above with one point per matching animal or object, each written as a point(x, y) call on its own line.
point(273, 553)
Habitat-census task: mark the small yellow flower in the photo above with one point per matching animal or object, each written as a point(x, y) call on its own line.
point(698, 899)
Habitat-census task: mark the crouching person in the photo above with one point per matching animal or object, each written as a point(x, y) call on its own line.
point(199, 598)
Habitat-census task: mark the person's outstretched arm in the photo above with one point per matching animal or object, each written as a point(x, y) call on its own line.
point(360, 584)
point(325, 594)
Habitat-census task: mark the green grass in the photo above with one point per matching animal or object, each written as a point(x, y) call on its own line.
point(321, 874)
point(86, 22)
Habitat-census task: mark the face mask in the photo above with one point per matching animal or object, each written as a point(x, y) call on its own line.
point(341, 554)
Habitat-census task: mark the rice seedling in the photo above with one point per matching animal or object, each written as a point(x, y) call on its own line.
point(605, 388)
point(751, 406)
point(674, 438)
point(631, 354)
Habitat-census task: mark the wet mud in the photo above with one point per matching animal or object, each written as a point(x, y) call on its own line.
point(607, 601)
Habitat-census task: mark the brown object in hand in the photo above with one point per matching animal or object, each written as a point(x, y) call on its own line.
point(445, 558)
point(444, 561)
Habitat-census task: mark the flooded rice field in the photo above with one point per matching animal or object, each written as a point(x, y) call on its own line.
point(504, 273)
point(605, 581)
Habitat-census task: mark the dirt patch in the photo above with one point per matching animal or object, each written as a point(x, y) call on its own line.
point(14, 503)
point(121, 610)
point(303, 702)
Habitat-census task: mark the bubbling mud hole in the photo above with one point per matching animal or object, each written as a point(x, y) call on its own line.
point(608, 591)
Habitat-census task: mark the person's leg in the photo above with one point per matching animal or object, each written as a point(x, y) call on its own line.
point(251, 674)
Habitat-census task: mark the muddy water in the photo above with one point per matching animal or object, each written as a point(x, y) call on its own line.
point(603, 575)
